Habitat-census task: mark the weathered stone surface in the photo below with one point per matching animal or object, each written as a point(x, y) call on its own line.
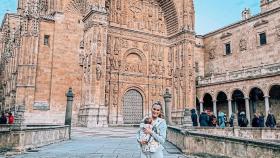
point(195, 142)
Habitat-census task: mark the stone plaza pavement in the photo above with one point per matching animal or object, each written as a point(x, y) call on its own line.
point(116, 142)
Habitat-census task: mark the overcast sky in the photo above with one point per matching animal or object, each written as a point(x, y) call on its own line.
point(210, 14)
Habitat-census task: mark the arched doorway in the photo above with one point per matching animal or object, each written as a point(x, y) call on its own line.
point(222, 103)
point(256, 101)
point(274, 101)
point(132, 107)
point(207, 102)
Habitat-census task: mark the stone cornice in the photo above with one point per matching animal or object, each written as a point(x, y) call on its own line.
point(242, 22)
point(100, 11)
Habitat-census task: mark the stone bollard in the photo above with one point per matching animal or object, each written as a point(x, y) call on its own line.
point(68, 114)
point(167, 100)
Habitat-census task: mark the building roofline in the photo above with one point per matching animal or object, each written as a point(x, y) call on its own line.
point(241, 22)
point(5, 17)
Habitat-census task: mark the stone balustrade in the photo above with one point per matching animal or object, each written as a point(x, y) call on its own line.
point(248, 132)
point(195, 142)
point(245, 74)
point(19, 138)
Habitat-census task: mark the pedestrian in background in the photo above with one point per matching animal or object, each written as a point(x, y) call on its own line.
point(231, 120)
point(3, 119)
point(255, 121)
point(221, 119)
point(11, 118)
point(204, 119)
point(270, 120)
point(194, 117)
point(261, 119)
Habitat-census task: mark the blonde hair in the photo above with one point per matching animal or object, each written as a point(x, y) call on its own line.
point(158, 103)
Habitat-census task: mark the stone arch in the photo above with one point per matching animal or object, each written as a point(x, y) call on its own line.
point(208, 101)
point(140, 65)
point(221, 91)
point(232, 91)
point(170, 14)
point(222, 102)
point(271, 86)
point(256, 97)
point(135, 50)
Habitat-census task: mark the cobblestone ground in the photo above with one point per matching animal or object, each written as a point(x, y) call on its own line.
point(98, 143)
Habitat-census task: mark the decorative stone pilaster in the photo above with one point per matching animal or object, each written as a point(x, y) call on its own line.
point(247, 106)
point(215, 107)
point(229, 108)
point(201, 107)
point(266, 99)
point(94, 112)
point(167, 100)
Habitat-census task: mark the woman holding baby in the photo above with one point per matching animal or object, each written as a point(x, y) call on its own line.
point(152, 133)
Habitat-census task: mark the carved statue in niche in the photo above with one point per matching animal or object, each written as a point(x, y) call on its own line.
point(153, 52)
point(170, 53)
point(115, 94)
point(81, 58)
point(160, 23)
point(98, 72)
point(212, 53)
point(146, 47)
point(117, 46)
point(243, 45)
point(114, 63)
point(106, 99)
point(170, 70)
point(124, 43)
point(160, 53)
point(99, 40)
point(152, 68)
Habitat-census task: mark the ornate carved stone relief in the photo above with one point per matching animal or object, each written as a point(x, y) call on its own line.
point(138, 15)
point(243, 44)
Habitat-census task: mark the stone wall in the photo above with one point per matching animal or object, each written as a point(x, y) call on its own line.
point(193, 142)
point(249, 133)
point(20, 139)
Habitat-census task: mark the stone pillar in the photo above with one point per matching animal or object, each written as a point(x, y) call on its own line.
point(247, 105)
point(266, 99)
point(167, 100)
point(201, 107)
point(229, 108)
point(68, 114)
point(215, 107)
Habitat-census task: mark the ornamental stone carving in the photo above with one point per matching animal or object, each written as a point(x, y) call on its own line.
point(243, 44)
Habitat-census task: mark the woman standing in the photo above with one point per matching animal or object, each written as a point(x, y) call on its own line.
point(158, 132)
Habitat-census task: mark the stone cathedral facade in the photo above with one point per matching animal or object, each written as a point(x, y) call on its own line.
point(119, 57)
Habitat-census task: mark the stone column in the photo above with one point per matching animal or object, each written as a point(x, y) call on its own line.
point(215, 107)
point(229, 108)
point(167, 100)
point(247, 105)
point(266, 99)
point(201, 107)
point(68, 114)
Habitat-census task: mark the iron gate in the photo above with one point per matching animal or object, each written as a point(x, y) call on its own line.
point(132, 107)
